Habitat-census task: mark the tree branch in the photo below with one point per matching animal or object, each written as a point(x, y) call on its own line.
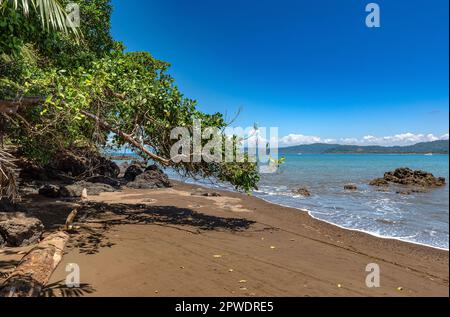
point(11, 106)
point(127, 138)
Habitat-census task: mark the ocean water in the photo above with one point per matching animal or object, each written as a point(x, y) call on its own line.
point(421, 218)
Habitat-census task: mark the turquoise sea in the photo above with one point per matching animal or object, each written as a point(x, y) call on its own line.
point(420, 217)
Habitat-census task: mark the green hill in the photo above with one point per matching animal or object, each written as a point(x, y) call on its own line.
point(435, 147)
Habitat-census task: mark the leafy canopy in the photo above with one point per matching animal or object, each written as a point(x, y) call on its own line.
point(131, 92)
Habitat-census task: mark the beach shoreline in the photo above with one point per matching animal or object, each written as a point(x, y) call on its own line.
point(234, 245)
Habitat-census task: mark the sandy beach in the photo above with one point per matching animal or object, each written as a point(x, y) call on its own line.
point(168, 242)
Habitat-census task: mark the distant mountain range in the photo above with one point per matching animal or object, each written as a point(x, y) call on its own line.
point(435, 147)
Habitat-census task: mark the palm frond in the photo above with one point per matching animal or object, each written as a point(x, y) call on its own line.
point(8, 185)
point(51, 14)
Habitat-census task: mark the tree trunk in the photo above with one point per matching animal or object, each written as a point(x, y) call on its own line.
point(36, 267)
point(128, 138)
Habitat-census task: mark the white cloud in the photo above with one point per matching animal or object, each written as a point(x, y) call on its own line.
point(407, 138)
point(295, 139)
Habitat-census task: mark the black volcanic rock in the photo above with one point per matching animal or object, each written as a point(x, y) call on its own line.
point(379, 182)
point(132, 172)
point(409, 177)
point(350, 186)
point(151, 178)
point(18, 230)
point(303, 191)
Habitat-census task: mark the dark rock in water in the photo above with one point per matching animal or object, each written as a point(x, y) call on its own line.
point(132, 171)
point(205, 193)
point(103, 180)
point(302, 191)
point(76, 189)
point(379, 182)
point(406, 176)
point(411, 191)
point(350, 186)
point(19, 231)
point(409, 177)
point(150, 179)
point(50, 191)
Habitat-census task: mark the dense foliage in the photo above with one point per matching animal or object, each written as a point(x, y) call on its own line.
point(130, 91)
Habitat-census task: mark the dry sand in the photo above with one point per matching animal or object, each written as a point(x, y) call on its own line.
point(167, 242)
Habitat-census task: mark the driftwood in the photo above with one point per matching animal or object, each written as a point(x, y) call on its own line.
point(69, 220)
point(36, 267)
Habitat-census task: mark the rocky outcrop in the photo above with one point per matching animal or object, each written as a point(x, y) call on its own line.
point(303, 191)
point(105, 167)
point(132, 172)
point(411, 191)
point(350, 186)
point(151, 178)
point(76, 189)
point(379, 182)
point(18, 230)
point(100, 179)
point(83, 161)
point(407, 176)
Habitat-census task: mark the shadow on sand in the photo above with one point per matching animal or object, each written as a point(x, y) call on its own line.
point(94, 219)
point(59, 289)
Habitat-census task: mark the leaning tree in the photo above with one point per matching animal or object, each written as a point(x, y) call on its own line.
point(61, 88)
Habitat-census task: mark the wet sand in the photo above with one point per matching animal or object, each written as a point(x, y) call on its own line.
point(176, 244)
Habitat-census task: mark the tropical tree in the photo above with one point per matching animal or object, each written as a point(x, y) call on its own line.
point(91, 92)
point(51, 12)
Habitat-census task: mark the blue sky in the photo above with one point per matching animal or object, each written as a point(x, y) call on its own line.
point(311, 68)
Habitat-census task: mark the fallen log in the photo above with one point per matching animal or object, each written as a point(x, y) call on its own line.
point(36, 267)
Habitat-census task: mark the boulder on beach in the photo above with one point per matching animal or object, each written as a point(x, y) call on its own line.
point(103, 180)
point(83, 161)
point(151, 178)
point(407, 176)
point(303, 191)
point(76, 189)
point(350, 186)
point(132, 172)
point(18, 230)
point(50, 191)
